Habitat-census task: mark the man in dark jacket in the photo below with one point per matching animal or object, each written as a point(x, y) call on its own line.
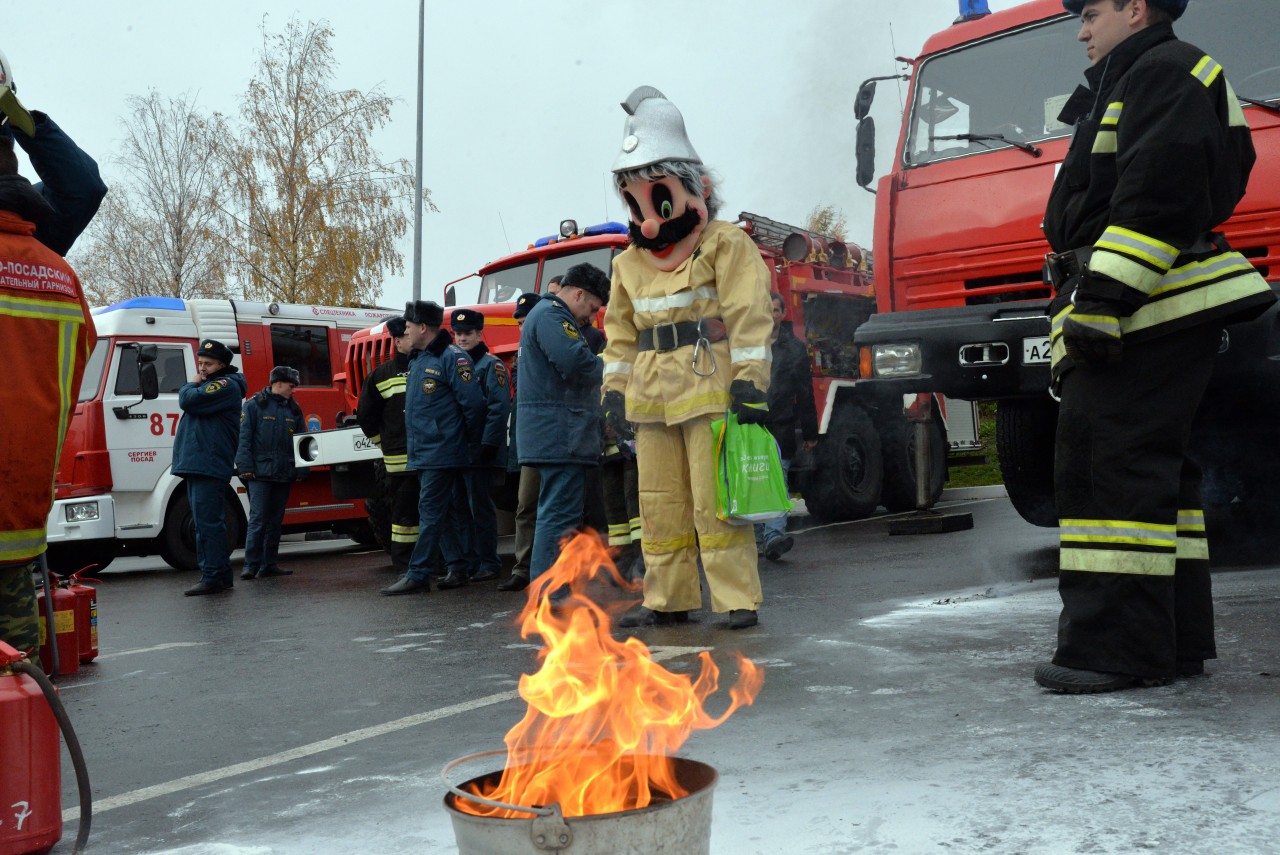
point(527, 487)
point(204, 453)
point(488, 457)
point(790, 405)
point(444, 413)
point(1160, 157)
point(559, 430)
point(380, 414)
point(264, 461)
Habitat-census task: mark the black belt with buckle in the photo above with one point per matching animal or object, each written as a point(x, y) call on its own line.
point(1061, 266)
point(672, 336)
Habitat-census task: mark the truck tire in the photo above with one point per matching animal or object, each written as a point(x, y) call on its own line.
point(846, 480)
point(177, 539)
point(898, 447)
point(67, 558)
point(1025, 431)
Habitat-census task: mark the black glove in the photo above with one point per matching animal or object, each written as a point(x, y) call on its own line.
point(487, 456)
point(748, 403)
point(1091, 334)
point(615, 416)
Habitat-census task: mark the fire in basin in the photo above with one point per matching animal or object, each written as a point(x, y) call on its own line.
point(589, 769)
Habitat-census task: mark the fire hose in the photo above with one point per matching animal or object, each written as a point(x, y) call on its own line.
point(73, 748)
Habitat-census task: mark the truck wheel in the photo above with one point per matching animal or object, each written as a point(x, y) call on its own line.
point(898, 443)
point(846, 480)
point(378, 506)
point(67, 558)
point(178, 538)
point(1025, 430)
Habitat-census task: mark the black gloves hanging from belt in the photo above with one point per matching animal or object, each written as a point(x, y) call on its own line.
point(1091, 333)
point(748, 403)
point(615, 415)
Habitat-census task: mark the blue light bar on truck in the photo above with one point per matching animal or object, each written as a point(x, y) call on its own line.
point(609, 228)
point(971, 10)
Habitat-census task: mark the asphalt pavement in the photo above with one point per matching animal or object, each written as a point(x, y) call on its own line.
point(307, 714)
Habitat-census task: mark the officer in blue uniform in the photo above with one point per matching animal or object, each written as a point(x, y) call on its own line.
point(559, 400)
point(444, 415)
point(476, 502)
point(264, 462)
point(204, 453)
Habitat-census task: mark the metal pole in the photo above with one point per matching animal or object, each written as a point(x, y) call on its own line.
point(924, 478)
point(417, 177)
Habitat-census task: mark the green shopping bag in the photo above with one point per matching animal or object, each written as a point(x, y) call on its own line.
point(750, 484)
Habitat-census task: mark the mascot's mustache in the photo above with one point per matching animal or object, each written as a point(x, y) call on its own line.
point(670, 232)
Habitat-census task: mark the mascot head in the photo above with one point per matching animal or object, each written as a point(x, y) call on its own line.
point(668, 192)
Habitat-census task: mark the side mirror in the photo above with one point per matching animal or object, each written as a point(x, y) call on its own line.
point(148, 382)
point(865, 151)
point(862, 104)
point(451, 296)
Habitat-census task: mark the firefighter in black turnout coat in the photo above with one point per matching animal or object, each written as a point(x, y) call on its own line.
point(380, 414)
point(1160, 157)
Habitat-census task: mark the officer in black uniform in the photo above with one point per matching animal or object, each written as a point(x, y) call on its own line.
point(1160, 157)
point(380, 414)
point(444, 413)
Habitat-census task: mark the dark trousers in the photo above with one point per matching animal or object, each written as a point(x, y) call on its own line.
point(481, 546)
point(208, 513)
point(437, 523)
point(559, 510)
point(267, 500)
point(1134, 580)
point(404, 491)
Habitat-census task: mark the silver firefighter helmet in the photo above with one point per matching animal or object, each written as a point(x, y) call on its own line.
point(653, 132)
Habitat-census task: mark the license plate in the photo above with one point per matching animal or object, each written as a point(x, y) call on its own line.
point(1035, 351)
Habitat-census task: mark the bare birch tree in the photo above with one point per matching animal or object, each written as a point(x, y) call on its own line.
point(157, 230)
point(314, 213)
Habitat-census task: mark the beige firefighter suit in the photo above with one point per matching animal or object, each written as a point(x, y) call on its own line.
point(673, 408)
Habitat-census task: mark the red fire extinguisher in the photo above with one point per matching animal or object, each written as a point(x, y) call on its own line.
point(30, 763)
point(86, 612)
point(64, 632)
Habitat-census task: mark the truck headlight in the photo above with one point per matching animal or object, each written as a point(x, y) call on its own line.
point(82, 512)
point(308, 449)
point(895, 360)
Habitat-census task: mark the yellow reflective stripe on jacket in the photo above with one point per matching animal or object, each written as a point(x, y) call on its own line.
point(1112, 115)
point(1193, 543)
point(44, 310)
point(1235, 113)
point(617, 368)
point(395, 462)
point(21, 545)
point(68, 336)
point(619, 534)
point(1206, 70)
point(1105, 324)
point(1105, 143)
point(745, 354)
point(404, 533)
point(1198, 296)
point(1117, 561)
point(1156, 535)
point(679, 300)
point(1190, 521)
point(392, 386)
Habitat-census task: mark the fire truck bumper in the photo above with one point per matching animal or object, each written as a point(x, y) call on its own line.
point(85, 518)
point(971, 352)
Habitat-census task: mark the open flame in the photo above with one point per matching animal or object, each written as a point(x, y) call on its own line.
point(603, 717)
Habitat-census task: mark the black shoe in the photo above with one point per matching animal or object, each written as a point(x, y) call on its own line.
point(406, 585)
point(515, 583)
point(1190, 667)
point(485, 576)
point(1078, 681)
point(453, 580)
point(268, 572)
point(202, 587)
point(247, 573)
point(778, 546)
point(641, 616)
point(669, 618)
point(742, 618)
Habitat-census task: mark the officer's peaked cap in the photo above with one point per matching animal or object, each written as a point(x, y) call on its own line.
point(395, 326)
point(589, 278)
point(424, 312)
point(215, 349)
point(1175, 8)
point(524, 303)
point(466, 320)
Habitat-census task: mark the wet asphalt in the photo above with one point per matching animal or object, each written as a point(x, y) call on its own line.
point(308, 714)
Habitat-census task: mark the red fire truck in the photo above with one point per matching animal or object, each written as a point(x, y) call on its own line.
point(959, 246)
point(866, 455)
point(115, 492)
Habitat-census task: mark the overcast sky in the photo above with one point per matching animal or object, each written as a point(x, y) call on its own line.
point(521, 108)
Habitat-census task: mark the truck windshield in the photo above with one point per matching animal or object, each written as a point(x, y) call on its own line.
point(1014, 85)
point(505, 285)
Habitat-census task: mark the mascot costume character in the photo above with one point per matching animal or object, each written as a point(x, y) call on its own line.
point(688, 338)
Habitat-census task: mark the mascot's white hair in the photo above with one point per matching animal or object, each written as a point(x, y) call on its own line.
point(688, 174)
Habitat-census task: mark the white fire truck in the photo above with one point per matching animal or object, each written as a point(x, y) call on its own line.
point(115, 491)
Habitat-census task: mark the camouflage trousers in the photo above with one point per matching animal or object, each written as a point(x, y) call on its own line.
point(19, 618)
